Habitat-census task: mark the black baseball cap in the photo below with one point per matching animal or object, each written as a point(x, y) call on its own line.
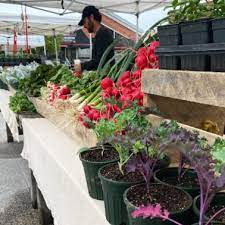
point(87, 11)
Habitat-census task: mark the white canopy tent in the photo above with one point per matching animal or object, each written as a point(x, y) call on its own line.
point(125, 6)
point(39, 23)
point(67, 6)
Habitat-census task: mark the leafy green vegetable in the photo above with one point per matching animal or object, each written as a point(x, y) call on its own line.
point(20, 103)
point(32, 85)
point(218, 153)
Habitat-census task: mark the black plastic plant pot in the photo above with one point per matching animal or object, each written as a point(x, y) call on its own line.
point(169, 35)
point(218, 62)
point(182, 216)
point(169, 176)
point(113, 191)
point(169, 62)
point(91, 173)
point(195, 62)
point(218, 202)
point(218, 30)
point(196, 32)
point(115, 208)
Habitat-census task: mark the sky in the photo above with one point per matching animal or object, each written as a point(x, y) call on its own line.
point(145, 20)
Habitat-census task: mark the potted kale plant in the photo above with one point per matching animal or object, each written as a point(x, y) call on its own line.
point(147, 151)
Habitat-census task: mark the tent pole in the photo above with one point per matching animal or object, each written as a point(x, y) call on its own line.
point(45, 52)
point(137, 21)
point(56, 50)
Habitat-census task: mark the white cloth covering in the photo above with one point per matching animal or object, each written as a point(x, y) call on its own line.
point(8, 115)
point(59, 173)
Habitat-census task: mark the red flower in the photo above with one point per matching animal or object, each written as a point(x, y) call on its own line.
point(106, 83)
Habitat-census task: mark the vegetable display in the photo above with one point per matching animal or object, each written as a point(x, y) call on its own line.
point(12, 75)
point(20, 103)
point(38, 78)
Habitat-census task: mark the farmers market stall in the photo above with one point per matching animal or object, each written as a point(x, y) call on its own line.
point(53, 158)
point(125, 148)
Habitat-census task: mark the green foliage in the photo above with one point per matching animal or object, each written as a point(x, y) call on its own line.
point(32, 85)
point(115, 132)
point(218, 153)
point(104, 128)
point(20, 103)
point(190, 10)
point(50, 43)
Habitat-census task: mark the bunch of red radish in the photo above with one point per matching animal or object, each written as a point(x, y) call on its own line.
point(58, 92)
point(122, 94)
point(146, 58)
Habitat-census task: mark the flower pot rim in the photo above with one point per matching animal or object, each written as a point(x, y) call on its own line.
point(93, 162)
point(171, 213)
point(196, 210)
point(163, 182)
point(114, 181)
point(195, 21)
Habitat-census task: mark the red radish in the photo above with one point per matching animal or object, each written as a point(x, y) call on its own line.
point(141, 61)
point(106, 83)
point(137, 74)
point(64, 90)
point(142, 51)
point(116, 108)
point(87, 109)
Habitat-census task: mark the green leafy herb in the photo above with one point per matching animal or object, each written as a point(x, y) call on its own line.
point(20, 103)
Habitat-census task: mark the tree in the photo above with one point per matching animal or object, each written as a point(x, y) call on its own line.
point(50, 44)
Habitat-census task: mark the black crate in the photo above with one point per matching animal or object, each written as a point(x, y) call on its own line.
point(169, 35)
point(218, 62)
point(195, 62)
point(196, 32)
point(218, 30)
point(169, 62)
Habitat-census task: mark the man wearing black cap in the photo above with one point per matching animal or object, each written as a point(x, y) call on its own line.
point(91, 20)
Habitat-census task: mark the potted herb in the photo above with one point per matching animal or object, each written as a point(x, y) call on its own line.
point(115, 178)
point(94, 158)
point(146, 154)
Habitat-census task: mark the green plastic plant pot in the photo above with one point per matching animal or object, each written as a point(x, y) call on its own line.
point(170, 174)
point(219, 199)
point(91, 174)
point(181, 216)
point(115, 208)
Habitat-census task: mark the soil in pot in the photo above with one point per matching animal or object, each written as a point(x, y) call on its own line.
point(188, 182)
point(92, 161)
point(217, 204)
point(175, 200)
point(114, 184)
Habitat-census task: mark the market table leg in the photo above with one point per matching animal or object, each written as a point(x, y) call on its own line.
point(33, 190)
point(9, 134)
point(45, 213)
